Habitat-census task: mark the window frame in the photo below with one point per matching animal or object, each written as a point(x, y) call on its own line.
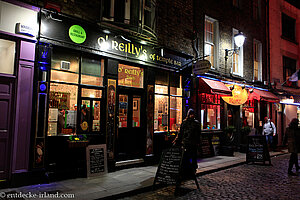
point(257, 46)
point(214, 43)
point(81, 86)
point(286, 32)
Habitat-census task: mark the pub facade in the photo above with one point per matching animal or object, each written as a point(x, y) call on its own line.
point(102, 86)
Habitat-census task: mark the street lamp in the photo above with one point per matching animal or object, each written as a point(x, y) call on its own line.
point(239, 40)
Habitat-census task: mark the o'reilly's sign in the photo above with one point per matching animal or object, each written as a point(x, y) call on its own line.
point(201, 67)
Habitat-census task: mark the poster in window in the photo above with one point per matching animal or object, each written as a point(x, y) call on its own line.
point(135, 105)
point(53, 113)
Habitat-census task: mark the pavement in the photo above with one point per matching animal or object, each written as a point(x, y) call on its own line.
point(120, 183)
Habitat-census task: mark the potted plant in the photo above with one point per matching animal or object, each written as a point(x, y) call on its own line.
point(78, 141)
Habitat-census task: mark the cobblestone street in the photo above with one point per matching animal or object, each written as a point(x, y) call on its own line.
point(242, 182)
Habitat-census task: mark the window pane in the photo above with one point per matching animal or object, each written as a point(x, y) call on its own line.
point(175, 113)
point(85, 115)
point(92, 72)
point(62, 109)
point(62, 76)
point(96, 116)
point(161, 113)
point(91, 93)
point(130, 76)
point(7, 56)
point(210, 117)
point(123, 109)
point(65, 66)
point(175, 91)
point(136, 109)
point(161, 89)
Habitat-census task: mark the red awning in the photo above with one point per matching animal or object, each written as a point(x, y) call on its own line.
point(213, 87)
point(263, 96)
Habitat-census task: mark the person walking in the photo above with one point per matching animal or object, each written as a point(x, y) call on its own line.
point(269, 130)
point(292, 137)
point(189, 137)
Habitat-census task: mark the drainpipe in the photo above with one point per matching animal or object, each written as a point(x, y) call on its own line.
point(268, 42)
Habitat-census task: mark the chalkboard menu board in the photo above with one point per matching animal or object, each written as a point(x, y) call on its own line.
point(206, 146)
point(257, 150)
point(169, 167)
point(96, 160)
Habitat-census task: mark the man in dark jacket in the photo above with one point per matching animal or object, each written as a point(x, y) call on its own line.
point(189, 137)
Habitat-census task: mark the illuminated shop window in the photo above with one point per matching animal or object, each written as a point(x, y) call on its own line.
point(168, 104)
point(123, 110)
point(248, 114)
point(161, 110)
point(175, 113)
point(64, 66)
point(130, 76)
point(136, 111)
point(7, 56)
point(75, 80)
point(210, 111)
point(62, 109)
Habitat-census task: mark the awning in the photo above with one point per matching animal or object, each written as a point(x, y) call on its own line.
point(213, 87)
point(263, 96)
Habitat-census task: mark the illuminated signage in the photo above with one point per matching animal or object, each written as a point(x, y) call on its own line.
point(130, 76)
point(77, 34)
point(139, 51)
point(239, 95)
point(25, 30)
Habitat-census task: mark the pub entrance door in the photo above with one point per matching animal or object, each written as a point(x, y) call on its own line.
point(131, 134)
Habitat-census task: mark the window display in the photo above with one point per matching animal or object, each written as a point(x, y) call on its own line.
point(210, 111)
point(123, 109)
point(67, 69)
point(62, 109)
point(161, 110)
point(136, 110)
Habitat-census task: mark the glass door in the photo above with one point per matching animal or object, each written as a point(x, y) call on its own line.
point(131, 136)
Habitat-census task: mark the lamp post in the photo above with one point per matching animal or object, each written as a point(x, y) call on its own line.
point(239, 40)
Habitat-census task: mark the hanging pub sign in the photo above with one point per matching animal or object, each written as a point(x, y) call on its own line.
point(81, 34)
point(201, 67)
point(239, 95)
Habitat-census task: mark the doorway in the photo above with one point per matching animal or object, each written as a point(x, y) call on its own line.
point(131, 134)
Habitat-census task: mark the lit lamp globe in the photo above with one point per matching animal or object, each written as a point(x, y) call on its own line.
point(239, 39)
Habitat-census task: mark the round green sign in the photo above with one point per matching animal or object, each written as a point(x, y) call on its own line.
point(77, 34)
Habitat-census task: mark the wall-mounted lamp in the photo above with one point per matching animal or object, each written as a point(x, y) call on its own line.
point(239, 40)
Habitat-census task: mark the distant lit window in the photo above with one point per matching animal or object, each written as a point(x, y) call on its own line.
point(211, 41)
point(134, 12)
point(257, 60)
point(289, 67)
